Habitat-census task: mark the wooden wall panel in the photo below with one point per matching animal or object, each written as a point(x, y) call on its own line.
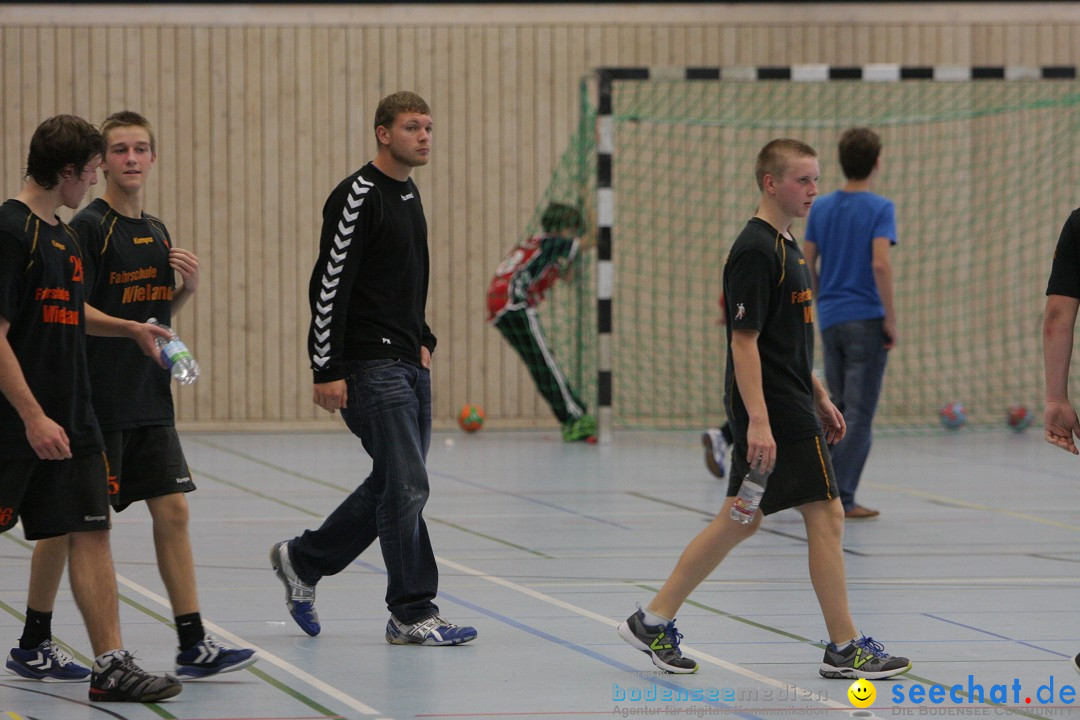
point(261, 110)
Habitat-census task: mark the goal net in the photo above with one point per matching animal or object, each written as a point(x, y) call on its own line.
point(983, 174)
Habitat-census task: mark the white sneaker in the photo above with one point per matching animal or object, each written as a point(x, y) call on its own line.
point(715, 449)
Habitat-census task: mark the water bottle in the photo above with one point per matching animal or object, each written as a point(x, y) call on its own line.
point(749, 497)
point(177, 357)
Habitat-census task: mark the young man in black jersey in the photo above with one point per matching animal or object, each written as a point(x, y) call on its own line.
point(370, 349)
point(131, 267)
point(53, 473)
point(1060, 424)
point(770, 387)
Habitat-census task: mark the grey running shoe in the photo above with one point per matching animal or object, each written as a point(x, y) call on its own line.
point(121, 680)
point(863, 658)
point(659, 642)
point(299, 596)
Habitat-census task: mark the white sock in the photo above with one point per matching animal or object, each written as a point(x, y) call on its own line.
point(652, 618)
point(845, 646)
point(106, 658)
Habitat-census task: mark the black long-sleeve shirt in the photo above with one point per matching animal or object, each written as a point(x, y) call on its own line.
point(369, 287)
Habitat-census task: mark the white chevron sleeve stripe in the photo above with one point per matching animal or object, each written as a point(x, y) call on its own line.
point(339, 253)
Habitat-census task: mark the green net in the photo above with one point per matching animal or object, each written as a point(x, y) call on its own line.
point(982, 174)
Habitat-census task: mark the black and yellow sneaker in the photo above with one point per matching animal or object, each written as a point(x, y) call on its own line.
point(659, 642)
point(863, 658)
point(121, 680)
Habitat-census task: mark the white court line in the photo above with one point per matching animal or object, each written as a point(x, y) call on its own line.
point(758, 677)
point(264, 655)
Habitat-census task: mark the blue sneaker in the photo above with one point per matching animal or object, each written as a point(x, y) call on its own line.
point(46, 662)
point(209, 657)
point(429, 631)
point(299, 596)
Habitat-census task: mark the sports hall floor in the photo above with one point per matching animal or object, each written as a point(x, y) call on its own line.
point(971, 570)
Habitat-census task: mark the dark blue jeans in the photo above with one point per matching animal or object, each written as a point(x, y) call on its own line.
point(389, 409)
point(855, 358)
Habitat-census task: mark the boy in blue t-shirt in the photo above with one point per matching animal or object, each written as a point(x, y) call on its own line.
point(852, 231)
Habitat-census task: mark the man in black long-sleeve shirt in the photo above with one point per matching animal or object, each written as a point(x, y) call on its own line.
point(370, 350)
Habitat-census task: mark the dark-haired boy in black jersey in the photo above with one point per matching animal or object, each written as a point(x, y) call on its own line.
point(52, 470)
point(770, 387)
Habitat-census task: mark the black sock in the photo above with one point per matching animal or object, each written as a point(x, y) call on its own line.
point(38, 629)
point(189, 629)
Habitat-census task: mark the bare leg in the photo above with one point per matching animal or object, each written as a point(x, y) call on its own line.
point(93, 581)
point(173, 546)
point(700, 558)
point(46, 570)
point(824, 533)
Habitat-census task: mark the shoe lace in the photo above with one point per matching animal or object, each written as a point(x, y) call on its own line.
point(61, 656)
point(212, 643)
point(299, 591)
point(872, 646)
point(422, 627)
point(673, 635)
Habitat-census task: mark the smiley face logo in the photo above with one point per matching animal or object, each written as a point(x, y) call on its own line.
point(862, 693)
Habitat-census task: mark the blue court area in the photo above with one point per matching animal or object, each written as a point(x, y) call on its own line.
point(971, 570)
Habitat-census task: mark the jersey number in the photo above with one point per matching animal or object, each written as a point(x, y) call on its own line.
point(77, 271)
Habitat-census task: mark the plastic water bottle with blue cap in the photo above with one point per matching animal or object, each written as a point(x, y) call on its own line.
point(177, 357)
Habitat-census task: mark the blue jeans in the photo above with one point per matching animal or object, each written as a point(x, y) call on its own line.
point(855, 358)
point(389, 409)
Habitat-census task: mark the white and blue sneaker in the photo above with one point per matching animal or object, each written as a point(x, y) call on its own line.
point(429, 631)
point(716, 448)
point(299, 596)
point(209, 657)
point(48, 663)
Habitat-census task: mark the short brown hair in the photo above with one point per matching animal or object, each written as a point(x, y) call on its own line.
point(60, 141)
point(773, 158)
point(400, 102)
point(560, 216)
point(129, 118)
point(859, 150)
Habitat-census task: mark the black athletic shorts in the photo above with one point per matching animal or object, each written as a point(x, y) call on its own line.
point(54, 497)
point(145, 463)
point(803, 474)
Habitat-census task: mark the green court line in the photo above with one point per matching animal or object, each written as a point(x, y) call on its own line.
point(770, 531)
point(88, 661)
point(821, 646)
point(737, 618)
point(324, 483)
point(266, 463)
point(298, 696)
point(256, 493)
point(491, 538)
point(295, 694)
